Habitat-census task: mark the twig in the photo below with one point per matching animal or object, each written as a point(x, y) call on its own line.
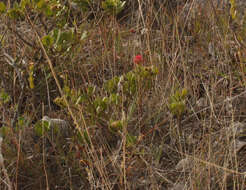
point(1, 49)
point(77, 126)
point(12, 63)
point(8, 183)
point(54, 73)
point(1, 41)
point(3, 123)
point(206, 162)
point(208, 107)
point(44, 166)
point(48, 91)
point(163, 122)
point(22, 39)
point(166, 120)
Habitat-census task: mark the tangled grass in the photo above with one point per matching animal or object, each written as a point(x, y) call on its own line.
point(135, 95)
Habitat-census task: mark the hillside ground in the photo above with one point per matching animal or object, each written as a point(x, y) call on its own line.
point(151, 98)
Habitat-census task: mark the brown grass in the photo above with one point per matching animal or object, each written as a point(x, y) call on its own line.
point(196, 47)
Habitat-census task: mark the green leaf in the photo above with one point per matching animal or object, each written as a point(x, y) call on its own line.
point(81, 99)
point(130, 140)
point(4, 97)
point(184, 93)
point(48, 41)
point(15, 12)
point(114, 98)
point(111, 85)
point(5, 131)
point(113, 6)
point(84, 35)
point(48, 12)
point(21, 121)
point(41, 4)
point(2, 7)
point(115, 126)
point(41, 127)
point(83, 4)
point(86, 137)
point(60, 101)
point(24, 3)
point(36, 1)
point(177, 108)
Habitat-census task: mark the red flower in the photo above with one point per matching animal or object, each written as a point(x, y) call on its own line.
point(133, 31)
point(138, 59)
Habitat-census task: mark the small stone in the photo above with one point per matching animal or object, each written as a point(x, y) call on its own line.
point(184, 164)
point(202, 102)
point(237, 129)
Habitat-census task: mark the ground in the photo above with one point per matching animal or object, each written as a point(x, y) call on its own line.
point(151, 98)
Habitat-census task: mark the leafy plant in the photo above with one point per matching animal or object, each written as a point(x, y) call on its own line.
point(2, 8)
point(59, 40)
point(4, 97)
point(16, 12)
point(83, 4)
point(115, 126)
point(130, 140)
point(42, 127)
point(104, 103)
point(177, 103)
point(113, 7)
point(233, 11)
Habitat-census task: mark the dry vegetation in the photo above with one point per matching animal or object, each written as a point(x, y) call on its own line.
point(174, 120)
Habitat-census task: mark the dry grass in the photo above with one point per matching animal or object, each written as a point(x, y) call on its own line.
point(196, 47)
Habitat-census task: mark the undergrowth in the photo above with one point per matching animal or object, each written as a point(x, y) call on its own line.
point(122, 94)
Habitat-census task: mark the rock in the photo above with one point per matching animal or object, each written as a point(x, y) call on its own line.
point(237, 145)
point(237, 130)
point(184, 164)
point(202, 102)
point(61, 125)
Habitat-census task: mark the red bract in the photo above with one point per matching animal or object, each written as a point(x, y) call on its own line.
point(138, 59)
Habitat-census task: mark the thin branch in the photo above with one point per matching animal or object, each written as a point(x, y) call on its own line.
point(56, 79)
point(208, 107)
point(22, 39)
point(8, 182)
point(12, 63)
